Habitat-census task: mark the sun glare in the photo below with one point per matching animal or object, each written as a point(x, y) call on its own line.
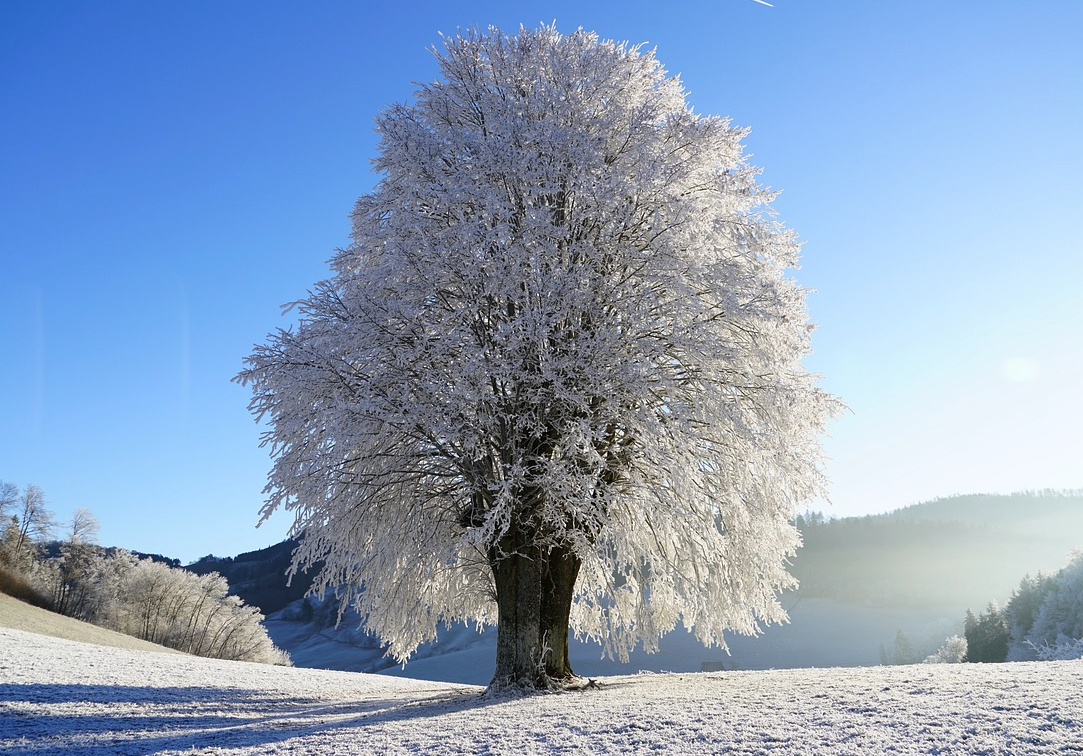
point(1020, 370)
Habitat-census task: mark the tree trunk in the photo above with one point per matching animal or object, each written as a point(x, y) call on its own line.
point(534, 586)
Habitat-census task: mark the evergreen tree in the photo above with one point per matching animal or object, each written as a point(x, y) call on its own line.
point(986, 635)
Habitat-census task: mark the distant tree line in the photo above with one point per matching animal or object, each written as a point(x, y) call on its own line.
point(145, 597)
point(889, 560)
point(1043, 619)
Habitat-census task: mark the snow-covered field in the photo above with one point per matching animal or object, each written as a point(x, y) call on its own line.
point(64, 697)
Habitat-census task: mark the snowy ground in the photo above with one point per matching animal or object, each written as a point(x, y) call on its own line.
point(64, 697)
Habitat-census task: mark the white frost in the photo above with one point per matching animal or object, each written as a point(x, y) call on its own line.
point(64, 697)
point(565, 322)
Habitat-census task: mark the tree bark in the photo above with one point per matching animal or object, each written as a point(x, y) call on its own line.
point(534, 587)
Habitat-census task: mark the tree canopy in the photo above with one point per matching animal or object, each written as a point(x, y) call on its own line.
point(559, 363)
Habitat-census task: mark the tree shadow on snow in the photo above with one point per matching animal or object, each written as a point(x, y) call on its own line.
point(94, 720)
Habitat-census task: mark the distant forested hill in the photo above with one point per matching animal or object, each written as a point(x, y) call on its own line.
point(964, 550)
point(259, 577)
point(864, 581)
point(959, 551)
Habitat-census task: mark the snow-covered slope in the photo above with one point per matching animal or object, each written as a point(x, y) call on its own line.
point(63, 697)
point(18, 615)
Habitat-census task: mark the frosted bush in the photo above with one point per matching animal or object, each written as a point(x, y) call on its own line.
point(1065, 649)
point(952, 652)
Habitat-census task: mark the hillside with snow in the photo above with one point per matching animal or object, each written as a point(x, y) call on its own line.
point(882, 588)
point(64, 697)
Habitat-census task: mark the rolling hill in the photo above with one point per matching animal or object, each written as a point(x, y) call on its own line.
point(868, 584)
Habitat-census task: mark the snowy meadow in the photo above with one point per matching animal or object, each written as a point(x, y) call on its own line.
point(65, 697)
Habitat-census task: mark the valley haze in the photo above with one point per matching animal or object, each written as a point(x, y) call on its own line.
point(867, 584)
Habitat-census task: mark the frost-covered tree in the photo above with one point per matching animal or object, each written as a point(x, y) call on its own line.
point(1021, 611)
point(83, 527)
point(9, 523)
point(1043, 619)
point(71, 577)
point(952, 652)
point(31, 523)
point(1059, 619)
point(179, 609)
point(9, 496)
point(555, 379)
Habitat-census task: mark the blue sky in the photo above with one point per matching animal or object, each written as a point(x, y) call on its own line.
point(172, 173)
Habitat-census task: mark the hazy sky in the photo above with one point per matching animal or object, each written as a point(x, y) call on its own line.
point(171, 173)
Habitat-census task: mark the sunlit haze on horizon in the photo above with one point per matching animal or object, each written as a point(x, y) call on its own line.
point(172, 174)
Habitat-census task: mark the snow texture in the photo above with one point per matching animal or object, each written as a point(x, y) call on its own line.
point(64, 697)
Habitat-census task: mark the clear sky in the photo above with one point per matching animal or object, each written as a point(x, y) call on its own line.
point(171, 173)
